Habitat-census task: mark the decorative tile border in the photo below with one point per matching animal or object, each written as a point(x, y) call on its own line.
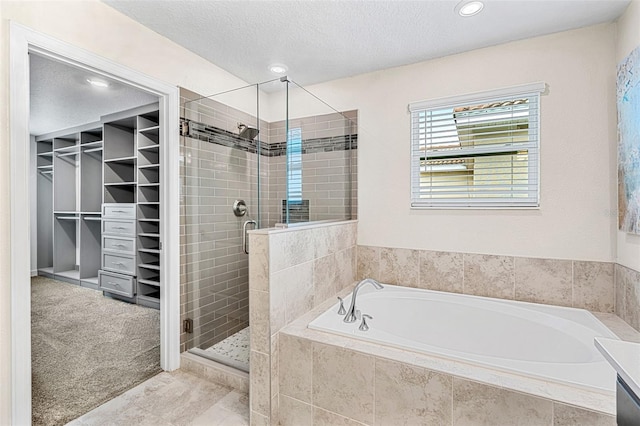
point(211, 134)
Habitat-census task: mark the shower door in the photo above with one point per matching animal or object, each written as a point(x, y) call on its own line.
point(220, 200)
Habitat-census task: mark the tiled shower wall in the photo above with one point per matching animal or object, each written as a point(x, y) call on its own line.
point(217, 168)
point(214, 269)
point(329, 177)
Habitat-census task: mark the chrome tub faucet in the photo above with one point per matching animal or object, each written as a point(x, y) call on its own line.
point(351, 313)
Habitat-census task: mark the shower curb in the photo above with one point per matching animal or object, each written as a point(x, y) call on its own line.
point(215, 372)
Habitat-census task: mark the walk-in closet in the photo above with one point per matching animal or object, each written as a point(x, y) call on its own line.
point(96, 238)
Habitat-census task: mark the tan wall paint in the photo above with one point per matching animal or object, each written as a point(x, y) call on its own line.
point(578, 149)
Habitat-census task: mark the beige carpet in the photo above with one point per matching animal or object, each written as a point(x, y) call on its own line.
point(86, 349)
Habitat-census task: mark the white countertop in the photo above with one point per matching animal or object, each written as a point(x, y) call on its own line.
point(625, 359)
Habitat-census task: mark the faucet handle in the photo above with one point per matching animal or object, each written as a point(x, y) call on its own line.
point(341, 310)
point(363, 325)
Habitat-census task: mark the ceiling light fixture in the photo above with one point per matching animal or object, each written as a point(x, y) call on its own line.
point(469, 8)
point(278, 68)
point(97, 83)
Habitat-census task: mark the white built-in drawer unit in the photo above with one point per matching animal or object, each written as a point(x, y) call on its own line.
point(116, 283)
point(124, 264)
point(122, 227)
point(119, 211)
point(122, 245)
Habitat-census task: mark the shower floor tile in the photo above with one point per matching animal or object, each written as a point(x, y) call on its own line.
point(235, 347)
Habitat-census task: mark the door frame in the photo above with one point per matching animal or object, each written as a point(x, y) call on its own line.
point(22, 41)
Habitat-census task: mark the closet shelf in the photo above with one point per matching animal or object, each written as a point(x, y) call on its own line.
point(149, 282)
point(99, 219)
point(149, 203)
point(148, 220)
point(155, 147)
point(92, 280)
point(152, 129)
point(123, 160)
point(148, 184)
point(96, 143)
point(67, 148)
point(68, 217)
point(73, 274)
point(148, 166)
point(155, 266)
point(68, 154)
point(147, 234)
point(45, 154)
point(147, 250)
point(50, 166)
point(152, 297)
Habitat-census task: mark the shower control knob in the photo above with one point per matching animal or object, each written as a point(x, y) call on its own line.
point(239, 208)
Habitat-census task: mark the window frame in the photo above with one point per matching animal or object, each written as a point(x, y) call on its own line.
point(532, 90)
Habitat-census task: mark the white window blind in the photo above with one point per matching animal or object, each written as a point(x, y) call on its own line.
point(476, 151)
point(294, 166)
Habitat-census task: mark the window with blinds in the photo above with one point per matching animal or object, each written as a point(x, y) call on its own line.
point(294, 166)
point(476, 151)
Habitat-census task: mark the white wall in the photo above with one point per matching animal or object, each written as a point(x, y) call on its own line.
point(576, 219)
point(33, 182)
point(628, 38)
point(100, 29)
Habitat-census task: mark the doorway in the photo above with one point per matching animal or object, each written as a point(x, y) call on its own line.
point(24, 41)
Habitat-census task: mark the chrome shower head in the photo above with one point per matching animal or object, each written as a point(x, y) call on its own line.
point(247, 132)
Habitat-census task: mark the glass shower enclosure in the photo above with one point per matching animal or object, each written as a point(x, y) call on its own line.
point(260, 156)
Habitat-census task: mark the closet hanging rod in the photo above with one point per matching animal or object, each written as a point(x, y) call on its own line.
point(92, 150)
point(67, 155)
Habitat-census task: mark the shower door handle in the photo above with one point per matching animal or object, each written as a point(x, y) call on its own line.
point(245, 248)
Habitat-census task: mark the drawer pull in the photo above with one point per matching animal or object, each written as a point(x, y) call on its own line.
point(119, 227)
point(118, 263)
point(120, 211)
point(120, 245)
point(112, 283)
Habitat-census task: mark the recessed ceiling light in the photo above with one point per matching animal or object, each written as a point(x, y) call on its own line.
point(97, 83)
point(278, 68)
point(469, 8)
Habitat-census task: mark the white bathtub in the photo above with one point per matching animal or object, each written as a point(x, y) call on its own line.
point(541, 341)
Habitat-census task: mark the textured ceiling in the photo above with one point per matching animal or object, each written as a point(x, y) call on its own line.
point(323, 40)
point(62, 98)
point(318, 40)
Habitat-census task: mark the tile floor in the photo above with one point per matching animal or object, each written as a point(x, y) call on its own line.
point(168, 399)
